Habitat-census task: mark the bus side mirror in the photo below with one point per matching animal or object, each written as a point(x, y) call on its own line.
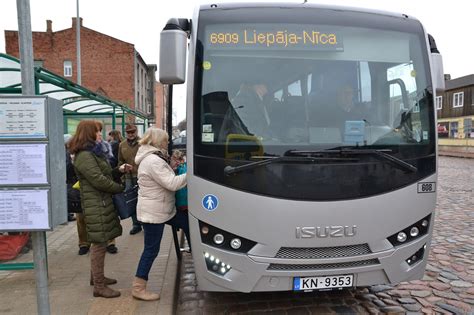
point(438, 72)
point(436, 66)
point(173, 45)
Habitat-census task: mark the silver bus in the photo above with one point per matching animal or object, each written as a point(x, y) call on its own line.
point(311, 144)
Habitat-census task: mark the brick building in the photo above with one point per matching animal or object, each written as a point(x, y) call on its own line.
point(109, 66)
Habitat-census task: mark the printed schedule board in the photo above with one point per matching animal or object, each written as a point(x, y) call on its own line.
point(32, 164)
point(24, 209)
point(22, 118)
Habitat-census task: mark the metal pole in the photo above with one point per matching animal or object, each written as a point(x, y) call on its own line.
point(78, 44)
point(169, 118)
point(28, 88)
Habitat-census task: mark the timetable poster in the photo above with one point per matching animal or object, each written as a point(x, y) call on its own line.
point(23, 164)
point(22, 118)
point(24, 210)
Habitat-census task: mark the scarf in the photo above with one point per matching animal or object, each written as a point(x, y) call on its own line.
point(163, 155)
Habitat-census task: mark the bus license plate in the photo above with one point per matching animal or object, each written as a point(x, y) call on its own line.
point(321, 283)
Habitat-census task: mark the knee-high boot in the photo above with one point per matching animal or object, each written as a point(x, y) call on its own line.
point(97, 268)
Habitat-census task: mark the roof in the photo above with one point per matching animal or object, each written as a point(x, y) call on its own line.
point(289, 5)
point(460, 82)
point(75, 98)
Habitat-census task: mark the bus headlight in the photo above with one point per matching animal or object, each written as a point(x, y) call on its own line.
point(401, 237)
point(215, 237)
point(215, 265)
point(411, 232)
point(218, 239)
point(416, 257)
point(235, 243)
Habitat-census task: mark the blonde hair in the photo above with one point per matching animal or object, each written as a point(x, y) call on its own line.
point(178, 154)
point(154, 137)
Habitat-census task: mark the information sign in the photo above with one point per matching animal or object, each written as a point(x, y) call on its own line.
point(22, 118)
point(23, 164)
point(24, 210)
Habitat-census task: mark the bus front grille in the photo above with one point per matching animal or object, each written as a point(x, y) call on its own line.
point(323, 252)
point(351, 264)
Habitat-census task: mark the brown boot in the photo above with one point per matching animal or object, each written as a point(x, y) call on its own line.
point(139, 291)
point(107, 281)
point(97, 268)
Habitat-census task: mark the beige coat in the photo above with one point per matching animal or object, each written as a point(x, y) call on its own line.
point(158, 183)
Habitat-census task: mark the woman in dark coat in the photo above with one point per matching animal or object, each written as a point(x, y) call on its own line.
point(97, 187)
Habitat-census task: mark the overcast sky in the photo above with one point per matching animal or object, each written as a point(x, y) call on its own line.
point(139, 22)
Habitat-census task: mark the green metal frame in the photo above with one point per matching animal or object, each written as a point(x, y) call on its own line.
point(111, 109)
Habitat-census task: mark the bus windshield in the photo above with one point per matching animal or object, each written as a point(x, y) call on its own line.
point(267, 88)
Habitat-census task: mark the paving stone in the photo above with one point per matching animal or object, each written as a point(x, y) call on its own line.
point(412, 307)
point(413, 287)
point(446, 294)
point(461, 305)
point(470, 291)
point(444, 280)
point(423, 302)
point(406, 300)
point(380, 288)
point(450, 308)
point(427, 311)
point(383, 295)
point(422, 293)
point(430, 267)
point(469, 301)
point(379, 303)
point(399, 293)
point(440, 286)
point(461, 284)
point(434, 299)
point(449, 275)
point(390, 302)
point(393, 310)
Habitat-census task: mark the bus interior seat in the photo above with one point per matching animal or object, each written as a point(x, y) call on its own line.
point(289, 118)
point(215, 105)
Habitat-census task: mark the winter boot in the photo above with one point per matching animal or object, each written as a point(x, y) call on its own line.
point(107, 281)
point(97, 268)
point(139, 291)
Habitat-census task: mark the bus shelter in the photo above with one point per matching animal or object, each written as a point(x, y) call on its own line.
point(78, 102)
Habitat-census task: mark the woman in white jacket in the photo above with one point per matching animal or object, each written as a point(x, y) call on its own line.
point(156, 203)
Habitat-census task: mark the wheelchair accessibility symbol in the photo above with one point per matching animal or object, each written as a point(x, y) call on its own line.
point(210, 202)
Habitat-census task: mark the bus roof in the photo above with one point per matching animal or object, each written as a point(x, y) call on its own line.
point(290, 5)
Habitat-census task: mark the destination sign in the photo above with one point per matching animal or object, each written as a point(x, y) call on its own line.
point(273, 36)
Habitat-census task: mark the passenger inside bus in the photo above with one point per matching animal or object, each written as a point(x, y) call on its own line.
point(251, 104)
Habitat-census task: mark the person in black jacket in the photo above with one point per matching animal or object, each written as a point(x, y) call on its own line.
point(115, 137)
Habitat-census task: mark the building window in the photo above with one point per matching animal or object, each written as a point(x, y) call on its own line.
point(468, 128)
point(458, 99)
point(67, 68)
point(453, 129)
point(439, 102)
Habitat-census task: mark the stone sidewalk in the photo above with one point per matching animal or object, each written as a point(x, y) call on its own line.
point(447, 287)
point(69, 289)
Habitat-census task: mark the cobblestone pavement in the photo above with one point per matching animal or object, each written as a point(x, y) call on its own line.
point(447, 287)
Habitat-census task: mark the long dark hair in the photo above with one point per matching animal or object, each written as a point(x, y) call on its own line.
point(116, 135)
point(85, 136)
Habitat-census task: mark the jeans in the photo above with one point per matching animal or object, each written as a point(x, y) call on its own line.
point(153, 235)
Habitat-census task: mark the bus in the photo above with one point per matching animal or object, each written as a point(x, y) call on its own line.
point(311, 144)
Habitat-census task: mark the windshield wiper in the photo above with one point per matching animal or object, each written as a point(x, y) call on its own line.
point(381, 153)
point(229, 170)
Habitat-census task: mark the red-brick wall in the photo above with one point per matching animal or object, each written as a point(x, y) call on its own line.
point(107, 64)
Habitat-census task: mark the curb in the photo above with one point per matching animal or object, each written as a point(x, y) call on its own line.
point(169, 293)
